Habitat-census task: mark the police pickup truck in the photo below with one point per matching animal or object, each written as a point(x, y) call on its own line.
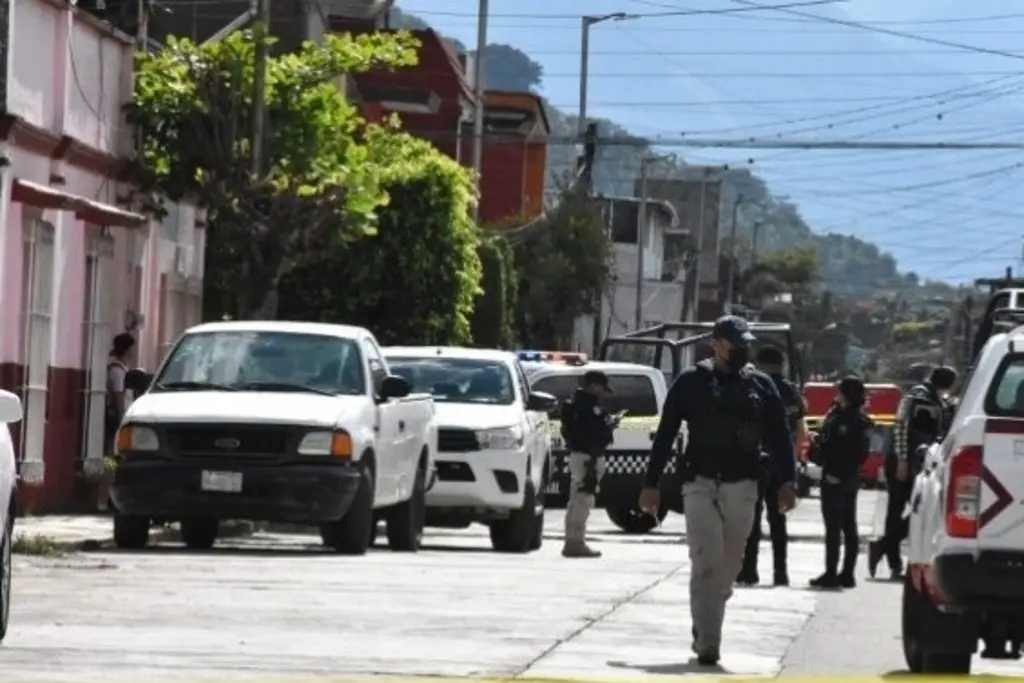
point(638, 389)
point(494, 442)
point(277, 421)
point(965, 571)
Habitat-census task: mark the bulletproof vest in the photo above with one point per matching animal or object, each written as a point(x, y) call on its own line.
point(928, 418)
point(726, 439)
point(790, 399)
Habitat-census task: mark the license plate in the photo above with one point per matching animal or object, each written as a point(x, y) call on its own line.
point(222, 482)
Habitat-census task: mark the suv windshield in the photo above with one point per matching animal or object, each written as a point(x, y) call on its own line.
point(263, 361)
point(457, 380)
point(633, 393)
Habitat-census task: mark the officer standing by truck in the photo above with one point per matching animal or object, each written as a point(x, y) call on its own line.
point(588, 430)
point(923, 417)
point(842, 446)
point(771, 361)
point(732, 411)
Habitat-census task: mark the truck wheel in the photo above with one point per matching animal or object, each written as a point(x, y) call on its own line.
point(351, 534)
point(5, 579)
point(405, 520)
point(946, 663)
point(631, 520)
point(518, 533)
point(131, 532)
point(910, 620)
point(199, 533)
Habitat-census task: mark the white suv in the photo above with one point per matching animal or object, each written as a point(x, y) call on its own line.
point(965, 573)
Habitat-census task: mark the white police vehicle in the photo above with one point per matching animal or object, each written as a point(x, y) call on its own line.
point(638, 389)
point(965, 570)
point(10, 411)
point(494, 442)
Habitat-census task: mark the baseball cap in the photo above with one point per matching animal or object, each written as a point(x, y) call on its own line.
point(596, 377)
point(851, 387)
point(733, 329)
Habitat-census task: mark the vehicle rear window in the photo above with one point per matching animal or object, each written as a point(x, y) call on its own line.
point(1006, 392)
point(633, 393)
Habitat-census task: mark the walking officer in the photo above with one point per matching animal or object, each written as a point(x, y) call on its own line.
point(842, 446)
point(733, 412)
point(587, 430)
point(771, 361)
point(923, 417)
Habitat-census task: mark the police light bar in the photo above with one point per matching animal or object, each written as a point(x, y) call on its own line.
point(552, 357)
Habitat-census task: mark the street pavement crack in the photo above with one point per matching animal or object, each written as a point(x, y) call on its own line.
point(592, 621)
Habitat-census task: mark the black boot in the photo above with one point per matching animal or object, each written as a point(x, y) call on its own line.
point(847, 579)
point(827, 581)
point(748, 577)
point(874, 557)
point(781, 577)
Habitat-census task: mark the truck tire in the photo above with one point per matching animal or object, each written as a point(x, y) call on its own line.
point(630, 519)
point(518, 533)
point(946, 663)
point(405, 520)
point(6, 571)
point(910, 620)
point(131, 532)
point(199, 533)
point(538, 530)
point(352, 533)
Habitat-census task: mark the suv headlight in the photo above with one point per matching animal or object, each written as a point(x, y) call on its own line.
point(136, 438)
point(506, 439)
point(336, 444)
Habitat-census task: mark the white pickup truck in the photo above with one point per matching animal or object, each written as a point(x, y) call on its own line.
point(494, 441)
point(277, 421)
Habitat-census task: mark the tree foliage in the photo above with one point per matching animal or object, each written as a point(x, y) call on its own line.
point(193, 106)
point(493, 321)
point(563, 266)
point(416, 280)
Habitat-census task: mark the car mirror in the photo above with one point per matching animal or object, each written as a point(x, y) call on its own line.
point(540, 402)
point(10, 407)
point(394, 386)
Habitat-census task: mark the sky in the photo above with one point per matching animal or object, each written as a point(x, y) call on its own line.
point(958, 77)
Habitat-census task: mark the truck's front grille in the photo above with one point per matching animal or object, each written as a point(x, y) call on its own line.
point(456, 440)
point(229, 440)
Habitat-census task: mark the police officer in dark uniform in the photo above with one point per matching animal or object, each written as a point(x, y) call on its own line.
point(771, 361)
point(924, 416)
point(588, 430)
point(733, 414)
point(842, 446)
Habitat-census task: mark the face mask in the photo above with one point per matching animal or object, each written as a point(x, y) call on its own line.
point(738, 357)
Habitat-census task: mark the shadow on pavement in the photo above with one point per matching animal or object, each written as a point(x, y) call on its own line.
point(676, 669)
point(903, 673)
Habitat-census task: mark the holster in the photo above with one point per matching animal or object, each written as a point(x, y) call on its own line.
point(589, 484)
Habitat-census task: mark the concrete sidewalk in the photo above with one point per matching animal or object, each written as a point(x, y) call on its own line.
point(34, 535)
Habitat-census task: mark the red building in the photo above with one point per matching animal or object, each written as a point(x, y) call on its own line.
point(432, 99)
point(514, 160)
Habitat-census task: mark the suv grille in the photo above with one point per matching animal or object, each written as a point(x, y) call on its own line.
point(228, 440)
point(456, 440)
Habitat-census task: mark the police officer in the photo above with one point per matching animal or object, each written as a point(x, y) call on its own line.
point(732, 411)
point(587, 430)
point(771, 361)
point(923, 417)
point(842, 446)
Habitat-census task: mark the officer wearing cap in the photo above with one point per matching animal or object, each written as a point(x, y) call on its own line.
point(841, 447)
point(733, 413)
point(923, 417)
point(587, 429)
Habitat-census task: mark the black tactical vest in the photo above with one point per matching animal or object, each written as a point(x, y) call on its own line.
point(724, 442)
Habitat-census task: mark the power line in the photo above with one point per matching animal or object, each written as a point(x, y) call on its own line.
point(674, 12)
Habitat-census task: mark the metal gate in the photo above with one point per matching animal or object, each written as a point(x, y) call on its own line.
point(97, 334)
point(37, 318)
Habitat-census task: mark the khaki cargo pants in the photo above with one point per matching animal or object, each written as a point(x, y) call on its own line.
point(580, 504)
point(718, 520)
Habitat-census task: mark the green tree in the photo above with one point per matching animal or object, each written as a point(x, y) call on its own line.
point(416, 280)
point(493, 322)
point(193, 108)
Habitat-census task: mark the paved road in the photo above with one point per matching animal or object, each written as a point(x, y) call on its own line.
point(275, 605)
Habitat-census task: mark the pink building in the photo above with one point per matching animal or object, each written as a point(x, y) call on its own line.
point(77, 263)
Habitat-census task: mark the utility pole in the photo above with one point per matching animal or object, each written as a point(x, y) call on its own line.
point(699, 259)
point(585, 23)
point(641, 230)
point(259, 82)
point(755, 240)
point(730, 283)
point(478, 92)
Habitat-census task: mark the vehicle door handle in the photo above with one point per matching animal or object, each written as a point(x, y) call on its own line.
point(401, 425)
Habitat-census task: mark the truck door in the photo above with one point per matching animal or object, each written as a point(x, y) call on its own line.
point(999, 465)
point(390, 430)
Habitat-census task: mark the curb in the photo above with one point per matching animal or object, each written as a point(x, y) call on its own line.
point(164, 534)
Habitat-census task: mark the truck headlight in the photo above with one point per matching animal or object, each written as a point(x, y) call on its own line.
point(335, 444)
point(505, 439)
point(136, 438)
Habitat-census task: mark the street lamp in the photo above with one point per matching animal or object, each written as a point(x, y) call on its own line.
point(585, 23)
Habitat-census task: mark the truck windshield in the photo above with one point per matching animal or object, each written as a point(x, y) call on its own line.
point(457, 380)
point(263, 361)
point(633, 393)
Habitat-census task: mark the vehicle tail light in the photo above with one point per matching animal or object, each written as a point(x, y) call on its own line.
point(963, 494)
